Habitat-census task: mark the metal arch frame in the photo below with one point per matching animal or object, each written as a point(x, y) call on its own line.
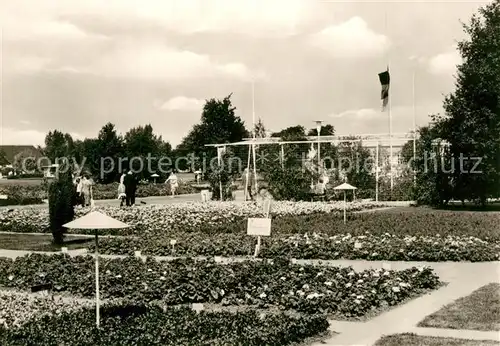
point(365, 138)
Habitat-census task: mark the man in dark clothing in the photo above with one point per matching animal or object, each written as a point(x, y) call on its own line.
point(130, 188)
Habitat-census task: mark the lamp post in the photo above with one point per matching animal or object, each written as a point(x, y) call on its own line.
point(318, 129)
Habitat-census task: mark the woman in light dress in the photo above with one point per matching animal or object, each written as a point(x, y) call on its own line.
point(121, 190)
point(174, 183)
point(86, 186)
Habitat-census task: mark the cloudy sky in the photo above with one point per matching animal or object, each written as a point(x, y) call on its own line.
point(74, 65)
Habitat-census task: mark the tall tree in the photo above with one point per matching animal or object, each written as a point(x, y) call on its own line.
point(260, 129)
point(142, 146)
point(328, 151)
point(434, 186)
point(471, 123)
point(58, 145)
point(219, 124)
point(356, 165)
point(110, 149)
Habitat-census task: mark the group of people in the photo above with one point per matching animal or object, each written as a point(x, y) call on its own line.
point(83, 190)
point(128, 187)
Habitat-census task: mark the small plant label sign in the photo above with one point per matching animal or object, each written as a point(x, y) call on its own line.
point(64, 250)
point(137, 253)
point(218, 259)
point(197, 307)
point(173, 242)
point(358, 245)
point(259, 226)
point(4, 197)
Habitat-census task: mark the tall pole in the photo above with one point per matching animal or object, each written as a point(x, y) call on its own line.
point(390, 115)
point(1, 86)
point(282, 156)
point(97, 317)
point(376, 173)
point(390, 140)
point(318, 130)
point(319, 148)
point(253, 146)
point(248, 172)
point(414, 129)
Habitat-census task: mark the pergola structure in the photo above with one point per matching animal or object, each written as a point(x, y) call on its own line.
point(374, 142)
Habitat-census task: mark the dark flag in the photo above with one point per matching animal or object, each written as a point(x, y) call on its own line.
point(385, 79)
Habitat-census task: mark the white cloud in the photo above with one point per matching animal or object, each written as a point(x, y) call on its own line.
point(445, 63)
point(181, 103)
point(155, 61)
point(350, 39)
point(12, 136)
point(363, 113)
point(256, 17)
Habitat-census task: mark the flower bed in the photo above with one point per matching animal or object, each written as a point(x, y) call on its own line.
point(152, 325)
point(227, 217)
point(389, 247)
point(338, 291)
point(17, 308)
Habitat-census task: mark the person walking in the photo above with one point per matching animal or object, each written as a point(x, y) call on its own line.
point(86, 184)
point(121, 190)
point(130, 183)
point(174, 183)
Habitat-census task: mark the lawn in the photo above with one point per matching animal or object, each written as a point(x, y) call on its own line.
point(478, 311)
point(41, 242)
point(416, 340)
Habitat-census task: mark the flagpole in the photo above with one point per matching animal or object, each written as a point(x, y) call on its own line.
point(390, 135)
point(376, 172)
point(253, 123)
point(390, 111)
point(414, 129)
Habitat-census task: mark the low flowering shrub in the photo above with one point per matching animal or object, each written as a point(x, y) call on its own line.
point(188, 216)
point(17, 308)
point(309, 289)
point(139, 324)
point(388, 247)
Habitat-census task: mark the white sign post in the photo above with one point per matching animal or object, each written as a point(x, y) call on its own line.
point(173, 242)
point(259, 227)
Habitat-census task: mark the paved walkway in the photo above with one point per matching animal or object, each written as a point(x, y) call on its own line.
point(116, 202)
point(463, 278)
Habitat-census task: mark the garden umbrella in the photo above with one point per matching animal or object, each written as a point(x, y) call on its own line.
point(95, 220)
point(154, 176)
point(345, 187)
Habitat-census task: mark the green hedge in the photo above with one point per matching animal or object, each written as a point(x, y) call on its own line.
point(109, 191)
point(22, 194)
point(130, 324)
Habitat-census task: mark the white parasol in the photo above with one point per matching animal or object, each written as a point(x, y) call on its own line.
point(95, 220)
point(344, 187)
